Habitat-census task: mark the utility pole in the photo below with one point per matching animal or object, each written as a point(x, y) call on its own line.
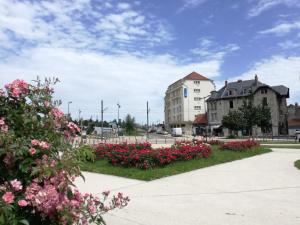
point(148, 110)
point(102, 111)
point(119, 106)
point(69, 116)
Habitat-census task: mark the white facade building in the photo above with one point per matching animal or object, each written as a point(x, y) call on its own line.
point(184, 100)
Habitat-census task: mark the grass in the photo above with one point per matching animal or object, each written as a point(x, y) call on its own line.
point(280, 142)
point(297, 164)
point(283, 146)
point(218, 156)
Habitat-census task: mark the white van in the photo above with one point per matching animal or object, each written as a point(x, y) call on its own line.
point(177, 132)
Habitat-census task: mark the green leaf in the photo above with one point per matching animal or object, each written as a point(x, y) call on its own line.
point(24, 221)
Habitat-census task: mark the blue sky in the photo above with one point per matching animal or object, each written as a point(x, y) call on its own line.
point(130, 51)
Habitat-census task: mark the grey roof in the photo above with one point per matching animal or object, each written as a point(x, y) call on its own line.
point(245, 88)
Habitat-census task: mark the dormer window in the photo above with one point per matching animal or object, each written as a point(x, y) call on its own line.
point(230, 92)
point(264, 91)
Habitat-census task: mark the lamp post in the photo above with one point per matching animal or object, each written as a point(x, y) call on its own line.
point(69, 109)
point(119, 106)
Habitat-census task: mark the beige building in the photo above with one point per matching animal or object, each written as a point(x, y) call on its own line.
point(232, 96)
point(184, 100)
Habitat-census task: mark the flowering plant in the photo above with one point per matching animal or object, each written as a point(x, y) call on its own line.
point(38, 165)
point(239, 145)
point(142, 156)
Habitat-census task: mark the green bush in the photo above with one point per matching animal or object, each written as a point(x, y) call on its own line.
point(297, 164)
point(85, 153)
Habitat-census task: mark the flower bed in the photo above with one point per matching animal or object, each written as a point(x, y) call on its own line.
point(215, 142)
point(239, 145)
point(143, 156)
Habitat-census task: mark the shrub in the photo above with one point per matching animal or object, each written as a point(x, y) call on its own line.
point(38, 165)
point(239, 145)
point(143, 156)
point(85, 153)
point(215, 142)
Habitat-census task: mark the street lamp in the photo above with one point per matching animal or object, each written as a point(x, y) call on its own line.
point(69, 109)
point(119, 106)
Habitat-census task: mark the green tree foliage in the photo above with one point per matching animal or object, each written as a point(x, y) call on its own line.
point(248, 116)
point(129, 124)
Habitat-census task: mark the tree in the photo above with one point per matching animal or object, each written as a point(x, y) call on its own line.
point(263, 117)
point(233, 121)
point(249, 115)
point(129, 124)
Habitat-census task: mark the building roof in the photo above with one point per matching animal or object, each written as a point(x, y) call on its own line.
point(201, 119)
point(242, 88)
point(195, 76)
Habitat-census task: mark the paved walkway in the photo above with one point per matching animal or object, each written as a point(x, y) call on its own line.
point(261, 190)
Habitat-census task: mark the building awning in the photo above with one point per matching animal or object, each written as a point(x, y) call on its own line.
point(201, 119)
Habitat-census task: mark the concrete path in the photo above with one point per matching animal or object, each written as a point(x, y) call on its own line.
point(261, 190)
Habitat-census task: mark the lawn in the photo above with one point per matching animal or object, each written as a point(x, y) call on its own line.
point(280, 142)
point(297, 164)
point(218, 156)
point(282, 146)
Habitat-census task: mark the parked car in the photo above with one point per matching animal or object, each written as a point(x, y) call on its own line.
point(159, 130)
point(177, 132)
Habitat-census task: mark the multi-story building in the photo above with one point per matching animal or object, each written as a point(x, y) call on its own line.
point(232, 96)
point(185, 99)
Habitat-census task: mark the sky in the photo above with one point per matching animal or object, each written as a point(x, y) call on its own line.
point(128, 52)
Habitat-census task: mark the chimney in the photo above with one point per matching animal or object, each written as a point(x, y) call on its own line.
point(239, 81)
point(256, 79)
point(226, 83)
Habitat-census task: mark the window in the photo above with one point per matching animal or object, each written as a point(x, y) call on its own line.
point(196, 81)
point(197, 90)
point(197, 107)
point(265, 101)
point(230, 92)
point(264, 91)
point(197, 99)
point(231, 104)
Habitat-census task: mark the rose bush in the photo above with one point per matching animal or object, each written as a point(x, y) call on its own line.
point(239, 145)
point(38, 164)
point(142, 156)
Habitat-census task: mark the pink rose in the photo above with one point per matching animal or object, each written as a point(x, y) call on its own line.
point(44, 145)
point(32, 151)
point(17, 185)
point(8, 197)
point(35, 142)
point(22, 203)
point(2, 121)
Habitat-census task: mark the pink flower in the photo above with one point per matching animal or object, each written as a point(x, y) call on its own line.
point(57, 113)
point(2, 93)
point(44, 145)
point(35, 142)
point(32, 151)
point(17, 87)
point(22, 203)
point(4, 128)
point(17, 185)
point(73, 127)
point(2, 121)
point(8, 197)
point(47, 104)
point(91, 209)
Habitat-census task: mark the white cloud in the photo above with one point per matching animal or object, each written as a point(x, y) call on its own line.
point(278, 70)
point(264, 5)
point(210, 50)
point(288, 44)
point(282, 29)
point(89, 77)
point(80, 24)
point(188, 4)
